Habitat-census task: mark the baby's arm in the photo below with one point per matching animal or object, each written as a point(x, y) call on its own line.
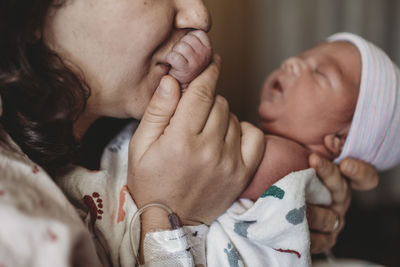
point(189, 57)
point(281, 157)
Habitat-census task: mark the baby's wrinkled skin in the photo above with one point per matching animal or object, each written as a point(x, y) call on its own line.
point(189, 57)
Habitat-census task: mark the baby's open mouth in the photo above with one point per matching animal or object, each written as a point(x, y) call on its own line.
point(276, 86)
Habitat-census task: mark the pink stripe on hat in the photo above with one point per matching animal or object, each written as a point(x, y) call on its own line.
point(374, 134)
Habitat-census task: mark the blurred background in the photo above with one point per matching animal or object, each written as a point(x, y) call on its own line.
point(254, 36)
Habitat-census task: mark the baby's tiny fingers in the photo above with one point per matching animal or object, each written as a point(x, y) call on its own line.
point(176, 59)
point(202, 37)
point(183, 48)
point(201, 54)
point(193, 41)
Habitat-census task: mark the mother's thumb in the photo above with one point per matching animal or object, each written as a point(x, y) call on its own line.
point(157, 115)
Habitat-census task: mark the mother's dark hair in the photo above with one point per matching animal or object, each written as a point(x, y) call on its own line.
point(41, 96)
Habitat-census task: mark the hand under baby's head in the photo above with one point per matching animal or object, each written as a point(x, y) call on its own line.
point(374, 135)
point(311, 98)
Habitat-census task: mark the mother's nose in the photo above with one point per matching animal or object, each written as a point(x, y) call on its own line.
point(192, 14)
point(294, 65)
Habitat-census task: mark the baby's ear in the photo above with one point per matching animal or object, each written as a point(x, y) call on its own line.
point(334, 143)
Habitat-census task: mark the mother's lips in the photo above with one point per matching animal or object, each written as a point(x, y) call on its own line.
point(165, 67)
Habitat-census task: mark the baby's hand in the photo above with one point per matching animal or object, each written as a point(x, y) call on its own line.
point(189, 57)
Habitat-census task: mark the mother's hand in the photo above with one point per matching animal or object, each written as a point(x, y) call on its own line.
point(327, 222)
point(192, 154)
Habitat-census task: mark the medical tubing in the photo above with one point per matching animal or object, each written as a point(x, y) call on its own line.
point(172, 218)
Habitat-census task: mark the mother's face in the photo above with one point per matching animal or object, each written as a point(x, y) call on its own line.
point(120, 46)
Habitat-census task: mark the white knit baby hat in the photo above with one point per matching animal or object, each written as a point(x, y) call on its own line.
point(374, 134)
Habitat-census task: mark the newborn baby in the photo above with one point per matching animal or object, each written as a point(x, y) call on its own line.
point(338, 99)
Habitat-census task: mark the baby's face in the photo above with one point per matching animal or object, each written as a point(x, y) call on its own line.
point(312, 94)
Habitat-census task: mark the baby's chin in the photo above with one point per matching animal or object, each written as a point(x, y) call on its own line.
point(265, 122)
point(271, 105)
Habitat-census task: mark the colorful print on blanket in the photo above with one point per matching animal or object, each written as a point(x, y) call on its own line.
point(273, 231)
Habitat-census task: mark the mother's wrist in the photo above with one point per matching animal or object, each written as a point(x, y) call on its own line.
point(154, 219)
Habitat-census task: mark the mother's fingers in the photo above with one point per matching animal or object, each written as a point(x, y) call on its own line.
point(196, 104)
point(325, 226)
point(321, 242)
point(362, 176)
point(321, 219)
point(327, 222)
point(330, 175)
point(252, 145)
point(218, 120)
point(157, 115)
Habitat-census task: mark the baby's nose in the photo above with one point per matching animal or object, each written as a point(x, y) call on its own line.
point(294, 65)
